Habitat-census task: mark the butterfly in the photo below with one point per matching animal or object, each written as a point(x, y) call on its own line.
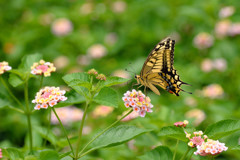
point(158, 69)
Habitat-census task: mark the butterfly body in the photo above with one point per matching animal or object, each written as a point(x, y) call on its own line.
point(158, 69)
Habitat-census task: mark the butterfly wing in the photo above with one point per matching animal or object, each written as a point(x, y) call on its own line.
point(158, 69)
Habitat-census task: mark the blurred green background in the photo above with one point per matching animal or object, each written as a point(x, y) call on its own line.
point(108, 35)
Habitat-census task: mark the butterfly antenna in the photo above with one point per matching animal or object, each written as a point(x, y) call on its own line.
point(186, 84)
point(187, 92)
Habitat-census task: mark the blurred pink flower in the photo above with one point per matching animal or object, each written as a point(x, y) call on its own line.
point(97, 51)
point(129, 117)
point(131, 145)
point(119, 6)
point(121, 73)
point(220, 64)
point(61, 62)
point(86, 8)
point(4, 67)
point(226, 11)
point(75, 70)
point(83, 60)
point(234, 29)
point(213, 91)
point(87, 130)
point(102, 111)
point(203, 40)
point(67, 115)
point(207, 65)
point(111, 38)
point(189, 101)
point(92, 72)
point(1, 153)
point(222, 28)
point(62, 27)
point(197, 114)
point(101, 77)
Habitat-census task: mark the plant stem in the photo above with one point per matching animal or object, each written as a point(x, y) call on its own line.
point(10, 92)
point(41, 81)
point(64, 131)
point(80, 130)
point(174, 155)
point(28, 113)
point(114, 123)
point(48, 128)
point(184, 156)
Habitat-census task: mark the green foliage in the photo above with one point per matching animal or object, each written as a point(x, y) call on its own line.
point(173, 132)
point(49, 155)
point(222, 128)
point(159, 153)
point(107, 96)
point(117, 135)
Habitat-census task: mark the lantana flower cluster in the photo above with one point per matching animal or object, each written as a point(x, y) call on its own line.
point(100, 77)
point(4, 67)
point(204, 145)
point(181, 124)
point(43, 68)
point(49, 96)
point(211, 147)
point(138, 101)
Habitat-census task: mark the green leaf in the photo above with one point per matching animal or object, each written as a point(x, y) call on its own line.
point(72, 98)
point(31, 157)
point(236, 148)
point(159, 153)
point(46, 134)
point(173, 132)
point(49, 155)
point(28, 60)
point(77, 82)
point(107, 96)
point(15, 80)
point(65, 154)
point(4, 103)
point(83, 77)
point(222, 128)
point(117, 135)
point(110, 81)
point(13, 153)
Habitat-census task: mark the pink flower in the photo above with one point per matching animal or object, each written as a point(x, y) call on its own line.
point(111, 38)
point(129, 117)
point(102, 111)
point(207, 65)
point(97, 51)
point(197, 114)
point(92, 72)
point(101, 77)
point(197, 139)
point(181, 124)
point(67, 115)
point(49, 96)
point(86, 8)
point(226, 11)
point(220, 64)
point(203, 40)
point(62, 27)
point(1, 153)
point(234, 29)
point(43, 68)
point(222, 28)
point(211, 147)
point(119, 6)
point(4, 67)
point(61, 62)
point(213, 91)
point(138, 101)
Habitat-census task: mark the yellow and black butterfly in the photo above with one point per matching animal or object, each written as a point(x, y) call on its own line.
point(158, 69)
